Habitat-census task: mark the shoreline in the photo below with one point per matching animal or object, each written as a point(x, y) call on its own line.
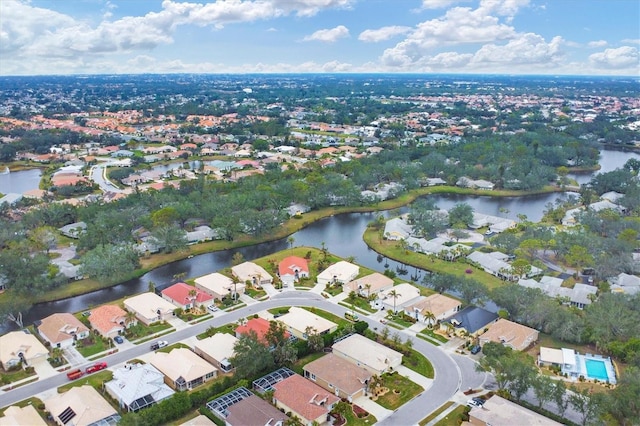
point(294, 224)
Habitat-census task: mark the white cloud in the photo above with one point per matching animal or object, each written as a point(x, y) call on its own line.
point(528, 49)
point(439, 4)
point(381, 34)
point(631, 40)
point(597, 43)
point(621, 58)
point(329, 35)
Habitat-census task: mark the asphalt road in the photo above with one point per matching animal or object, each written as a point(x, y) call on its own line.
point(98, 176)
point(452, 372)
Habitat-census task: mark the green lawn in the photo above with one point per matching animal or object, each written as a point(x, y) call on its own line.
point(14, 376)
point(140, 331)
point(429, 332)
point(352, 419)
point(329, 316)
point(455, 417)
point(227, 328)
point(92, 345)
point(436, 413)
point(401, 391)
point(418, 363)
point(95, 380)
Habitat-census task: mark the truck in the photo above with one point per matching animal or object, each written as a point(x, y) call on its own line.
point(75, 374)
point(96, 367)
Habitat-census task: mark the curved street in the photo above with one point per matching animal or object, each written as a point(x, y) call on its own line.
point(453, 373)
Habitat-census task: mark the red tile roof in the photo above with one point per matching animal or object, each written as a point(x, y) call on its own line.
point(288, 265)
point(260, 326)
point(180, 293)
point(304, 397)
point(105, 318)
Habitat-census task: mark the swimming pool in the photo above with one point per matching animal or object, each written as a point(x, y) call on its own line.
point(596, 369)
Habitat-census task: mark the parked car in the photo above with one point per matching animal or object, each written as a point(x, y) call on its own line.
point(473, 403)
point(118, 339)
point(96, 367)
point(75, 374)
point(159, 344)
point(478, 400)
point(213, 308)
point(475, 349)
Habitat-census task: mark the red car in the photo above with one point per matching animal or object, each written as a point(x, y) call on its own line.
point(75, 374)
point(96, 367)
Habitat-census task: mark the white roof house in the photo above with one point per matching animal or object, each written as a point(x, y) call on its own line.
point(406, 294)
point(298, 319)
point(500, 411)
point(81, 406)
point(397, 229)
point(136, 386)
point(217, 350)
point(578, 296)
point(340, 272)
point(219, 285)
point(366, 353)
point(249, 271)
point(377, 282)
point(625, 283)
point(21, 416)
point(18, 345)
point(492, 264)
point(149, 307)
point(183, 368)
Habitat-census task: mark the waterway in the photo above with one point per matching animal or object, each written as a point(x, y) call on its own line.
point(341, 235)
point(19, 182)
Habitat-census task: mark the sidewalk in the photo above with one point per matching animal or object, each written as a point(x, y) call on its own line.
point(378, 411)
point(415, 377)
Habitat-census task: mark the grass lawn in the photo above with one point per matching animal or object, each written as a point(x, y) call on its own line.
point(455, 417)
point(333, 290)
point(140, 330)
point(14, 376)
point(92, 345)
point(360, 303)
point(254, 293)
point(329, 316)
point(399, 320)
point(392, 250)
point(401, 390)
point(429, 332)
point(169, 348)
point(418, 363)
point(352, 419)
point(227, 328)
point(436, 413)
point(95, 380)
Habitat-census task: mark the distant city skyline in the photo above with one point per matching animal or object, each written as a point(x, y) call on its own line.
point(555, 37)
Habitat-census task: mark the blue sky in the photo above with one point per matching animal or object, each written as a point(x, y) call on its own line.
point(581, 37)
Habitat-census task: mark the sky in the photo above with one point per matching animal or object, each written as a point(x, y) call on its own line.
point(556, 37)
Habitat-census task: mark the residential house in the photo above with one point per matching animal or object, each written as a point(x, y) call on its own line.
point(183, 369)
point(370, 285)
point(397, 228)
point(185, 296)
point(433, 309)
point(255, 274)
point(405, 294)
point(339, 376)
point(579, 296)
point(62, 330)
point(219, 286)
point(625, 283)
point(298, 320)
point(339, 273)
point(19, 346)
point(259, 326)
point(305, 400)
point(466, 182)
point(291, 269)
point(149, 308)
point(255, 411)
point(110, 320)
point(81, 406)
point(516, 336)
point(499, 411)
point(471, 320)
point(217, 350)
point(199, 420)
point(372, 356)
point(201, 234)
point(552, 357)
point(495, 264)
point(137, 386)
point(21, 416)
point(73, 230)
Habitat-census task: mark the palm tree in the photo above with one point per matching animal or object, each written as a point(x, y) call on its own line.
point(368, 287)
point(291, 240)
point(394, 294)
point(352, 299)
point(430, 319)
point(129, 318)
point(56, 354)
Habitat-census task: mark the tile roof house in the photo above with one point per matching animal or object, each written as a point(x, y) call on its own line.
point(339, 376)
point(259, 326)
point(249, 271)
point(109, 320)
point(62, 330)
point(439, 305)
point(16, 346)
point(304, 399)
point(377, 282)
point(255, 411)
point(516, 336)
point(297, 320)
point(217, 350)
point(291, 269)
point(185, 296)
point(470, 320)
point(136, 386)
point(499, 411)
point(183, 369)
point(21, 416)
point(341, 272)
point(218, 285)
point(81, 406)
point(366, 353)
point(149, 307)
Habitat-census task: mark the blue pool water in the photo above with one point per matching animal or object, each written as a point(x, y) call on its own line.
point(596, 369)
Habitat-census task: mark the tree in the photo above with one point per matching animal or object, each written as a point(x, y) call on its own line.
point(559, 396)
point(543, 389)
point(352, 300)
point(237, 258)
point(110, 263)
point(169, 237)
point(461, 215)
point(314, 339)
point(251, 357)
point(283, 351)
point(471, 290)
point(440, 282)
point(623, 403)
point(585, 403)
point(394, 295)
point(291, 240)
point(579, 257)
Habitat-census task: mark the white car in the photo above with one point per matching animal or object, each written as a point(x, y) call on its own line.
point(213, 308)
point(473, 403)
